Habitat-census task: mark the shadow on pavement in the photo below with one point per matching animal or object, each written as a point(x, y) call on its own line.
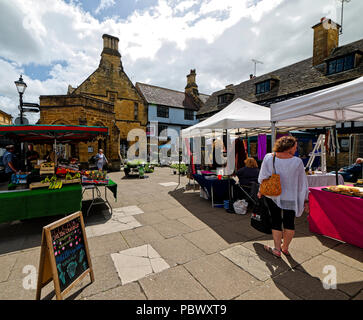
point(293, 280)
point(235, 228)
point(27, 234)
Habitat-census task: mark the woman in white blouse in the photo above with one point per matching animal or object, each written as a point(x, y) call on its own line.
point(294, 195)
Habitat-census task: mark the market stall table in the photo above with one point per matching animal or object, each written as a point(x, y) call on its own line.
point(216, 189)
point(26, 204)
point(112, 186)
point(320, 180)
point(337, 216)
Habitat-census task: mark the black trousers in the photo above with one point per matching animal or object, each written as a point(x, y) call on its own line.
point(280, 216)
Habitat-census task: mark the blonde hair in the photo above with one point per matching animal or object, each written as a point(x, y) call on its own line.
point(251, 163)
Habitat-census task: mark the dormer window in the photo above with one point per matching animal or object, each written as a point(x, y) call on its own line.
point(263, 87)
point(341, 64)
point(225, 98)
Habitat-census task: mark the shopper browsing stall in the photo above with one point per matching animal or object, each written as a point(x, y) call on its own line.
point(294, 192)
point(101, 160)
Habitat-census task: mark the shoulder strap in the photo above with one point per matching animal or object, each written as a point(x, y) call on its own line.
point(273, 163)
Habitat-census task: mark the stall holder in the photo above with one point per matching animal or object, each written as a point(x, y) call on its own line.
point(336, 216)
point(96, 188)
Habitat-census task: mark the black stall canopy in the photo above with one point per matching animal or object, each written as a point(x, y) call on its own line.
point(45, 134)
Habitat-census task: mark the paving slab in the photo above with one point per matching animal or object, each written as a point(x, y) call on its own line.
point(174, 284)
point(177, 250)
point(222, 278)
point(136, 263)
point(262, 265)
point(297, 256)
point(106, 244)
point(175, 213)
point(111, 226)
point(150, 218)
point(207, 240)
point(168, 184)
point(193, 223)
point(268, 291)
point(148, 234)
point(23, 259)
point(131, 238)
point(306, 286)
point(359, 296)
point(347, 254)
point(7, 263)
point(106, 278)
point(172, 228)
point(130, 291)
point(349, 280)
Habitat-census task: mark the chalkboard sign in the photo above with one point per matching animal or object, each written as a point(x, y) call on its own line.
point(64, 255)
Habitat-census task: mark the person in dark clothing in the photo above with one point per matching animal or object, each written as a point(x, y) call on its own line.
point(9, 162)
point(240, 154)
point(353, 172)
point(31, 154)
point(249, 173)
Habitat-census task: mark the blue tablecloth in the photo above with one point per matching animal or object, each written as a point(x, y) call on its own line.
point(220, 187)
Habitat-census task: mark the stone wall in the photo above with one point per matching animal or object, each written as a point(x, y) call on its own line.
point(83, 110)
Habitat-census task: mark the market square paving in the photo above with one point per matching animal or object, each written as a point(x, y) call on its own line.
point(166, 242)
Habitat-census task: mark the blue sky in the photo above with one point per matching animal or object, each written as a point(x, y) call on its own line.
point(120, 8)
point(56, 43)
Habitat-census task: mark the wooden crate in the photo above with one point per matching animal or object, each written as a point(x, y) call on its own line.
point(37, 185)
point(49, 170)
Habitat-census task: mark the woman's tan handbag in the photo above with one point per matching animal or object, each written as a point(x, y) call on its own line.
point(272, 185)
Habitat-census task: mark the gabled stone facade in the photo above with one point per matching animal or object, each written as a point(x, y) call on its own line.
point(107, 97)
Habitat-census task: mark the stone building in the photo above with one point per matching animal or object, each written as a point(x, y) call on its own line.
point(170, 111)
point(106, 98)
point(330, 65)
point(5, 118)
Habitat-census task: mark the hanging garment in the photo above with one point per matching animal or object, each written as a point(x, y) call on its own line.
point(262, 146)
point(240, 154)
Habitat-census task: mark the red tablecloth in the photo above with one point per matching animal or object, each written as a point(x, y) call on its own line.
point(336, 216)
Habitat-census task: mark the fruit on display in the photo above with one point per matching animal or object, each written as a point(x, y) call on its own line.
point(55, 184)
point(96, 175)
point(47, 165)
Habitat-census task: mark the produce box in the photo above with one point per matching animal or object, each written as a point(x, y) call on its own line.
point(47, 168)
point(87, 180)
point(21, 178)
point(37, 185)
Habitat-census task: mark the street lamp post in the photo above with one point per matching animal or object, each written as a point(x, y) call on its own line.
point(21, 86)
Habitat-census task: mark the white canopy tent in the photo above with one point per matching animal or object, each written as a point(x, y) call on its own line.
point(341, 103)
point(238, 114)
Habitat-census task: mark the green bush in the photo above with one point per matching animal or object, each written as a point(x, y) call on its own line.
point(183, 167)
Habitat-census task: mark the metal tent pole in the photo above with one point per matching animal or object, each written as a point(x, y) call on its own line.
point(273, 134)
point(336, 155)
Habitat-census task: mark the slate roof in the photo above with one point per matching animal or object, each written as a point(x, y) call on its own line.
point(167, 97)
point(291, 81)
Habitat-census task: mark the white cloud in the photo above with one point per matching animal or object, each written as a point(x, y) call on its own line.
point(104, 4)
point(159, 45)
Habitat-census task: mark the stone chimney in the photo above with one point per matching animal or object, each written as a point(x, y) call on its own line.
point(326, 38)
point(110, 56)
point(192, 87)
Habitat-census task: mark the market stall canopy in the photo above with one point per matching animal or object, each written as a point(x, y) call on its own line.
point(238, 114)
point(49, 133)
point(326, 107)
